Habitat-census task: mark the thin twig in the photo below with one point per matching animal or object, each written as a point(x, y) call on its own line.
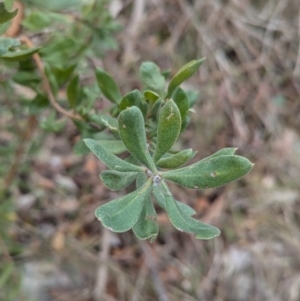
point(46, 84)
point(101, 278)
point(15, 26)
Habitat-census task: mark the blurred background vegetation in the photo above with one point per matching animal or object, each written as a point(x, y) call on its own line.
point(51, 245)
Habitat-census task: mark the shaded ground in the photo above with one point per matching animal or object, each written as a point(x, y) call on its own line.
point(249, 98)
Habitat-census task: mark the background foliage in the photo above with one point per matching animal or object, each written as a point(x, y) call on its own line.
point(248, 98)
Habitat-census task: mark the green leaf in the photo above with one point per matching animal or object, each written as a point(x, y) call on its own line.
point(151, 95)
point(122, 214)
point(109, 159)
point(108, 86)
point(62, 75)
point(184, 222)
point(52, 125)
point(183, 74)
point(193, 96)
point(161, 200)
point(27, 78)
point(73, 92)
point(176, 160)
point(37, 21)
point(210, 172)
point(169, 124)
point(182, 102)
point(155, 108)
point(166, 73)
point(5, 15)
point(185, 123)
point(110, 122)
point(21, 55)
point(61, 51)
point(133, 98)
point(133, 135)
point(52, 79)
point(6, 43)
point(146, 227)
point(229, 151)
point(151, 77)
point(141, 180)
point(116, 180)
point(114, 146)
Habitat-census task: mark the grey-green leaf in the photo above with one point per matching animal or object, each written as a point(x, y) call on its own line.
point(5, 15)
point(210, 172)
point(133, 135)
point(109, 159)
point(21, 55)
point(184, 222)
point(6, 43)
point(152, 96)
point(122, 214)
point(183, 74)
point(114, 146)
point(133, 98)
point(141, 180)
point(182, 102)
point(108, 86)
point(161, 200)
point(229, 151)
point(73, 91)
point(116, 180)
point(151, 77)
point(108, 121)
point(146, 226)
point(176, 160)
point(168, 129)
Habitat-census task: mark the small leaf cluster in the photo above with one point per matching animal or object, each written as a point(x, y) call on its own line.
point(147, 126)
point(6, 43)
point(67, 40)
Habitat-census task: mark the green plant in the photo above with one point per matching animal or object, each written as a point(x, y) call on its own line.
point(147, 126)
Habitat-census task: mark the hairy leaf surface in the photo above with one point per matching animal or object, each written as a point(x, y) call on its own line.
point(109, 159)
point(116, 180)
point(183, 74)
point(182, 102)
point(151, 77)
point(169, 124)
point(131, 99)
point(108, 86)
point(133, 135)
point(210, 172)
point(122, 214)
point(146, 226)
point(161, 200)
point(176, 160)
point(184, 222)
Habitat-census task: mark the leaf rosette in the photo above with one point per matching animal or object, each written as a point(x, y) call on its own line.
point(152, 162)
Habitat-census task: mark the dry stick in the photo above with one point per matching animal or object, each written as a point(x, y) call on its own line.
point(101, 278)
point(133, 30)
point(15, 26)
point(150, 258)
